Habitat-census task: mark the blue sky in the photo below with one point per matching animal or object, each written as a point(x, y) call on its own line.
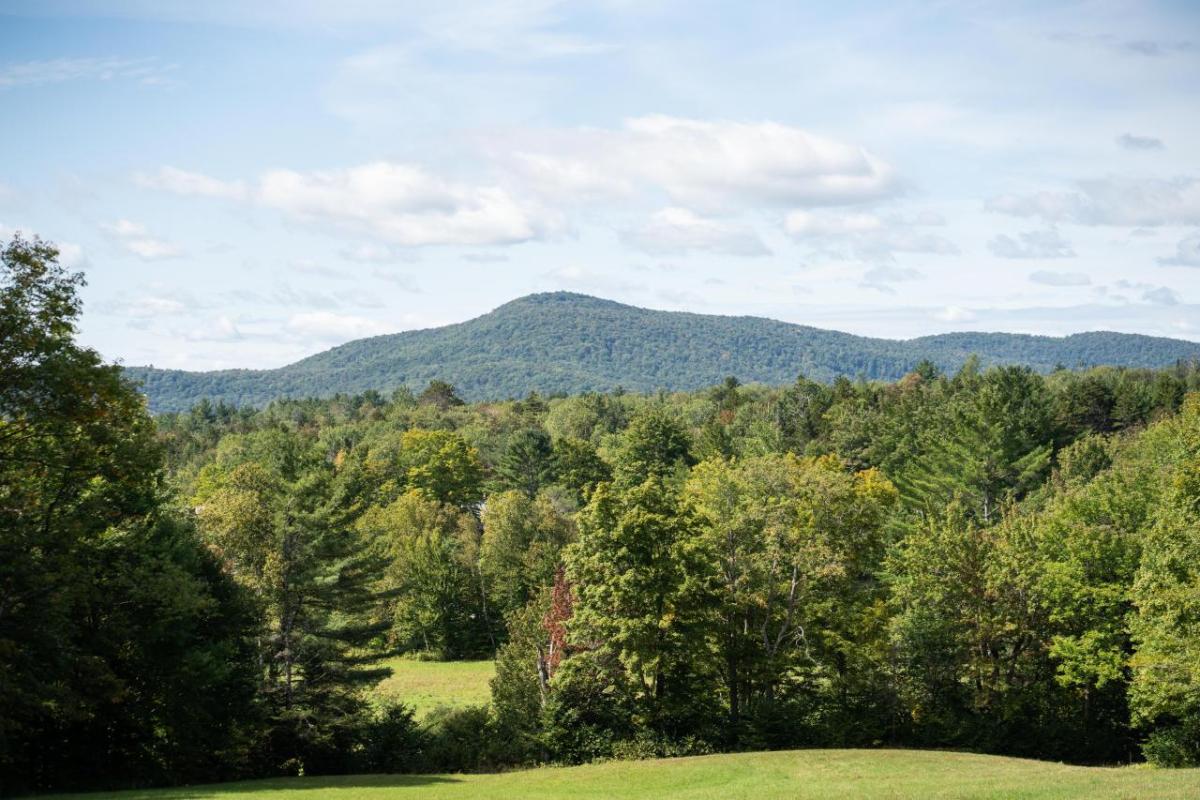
point(245, 183)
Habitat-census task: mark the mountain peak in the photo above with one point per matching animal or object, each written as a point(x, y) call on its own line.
point(565, 342)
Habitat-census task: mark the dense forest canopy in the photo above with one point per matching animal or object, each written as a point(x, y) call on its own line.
point(563, 343)
point(987, 558)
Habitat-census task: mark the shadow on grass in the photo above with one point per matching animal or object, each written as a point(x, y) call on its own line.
point(323, 783)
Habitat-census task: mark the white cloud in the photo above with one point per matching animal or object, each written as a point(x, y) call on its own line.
point(1049, 278)
point(679, 230)
point(706, 165)
point(326, 326)
point(180, 181)
point(60, 70)
point(806, 223)
point(955, 314)
point(868, 237)
point(134, 238)
point(1032, 244)
point(404, 204)
point(1146, 202)
point(71, 255)
point(1187, 254)
point(146, 306)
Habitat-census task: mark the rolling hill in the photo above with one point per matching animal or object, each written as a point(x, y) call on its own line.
point(564, 342)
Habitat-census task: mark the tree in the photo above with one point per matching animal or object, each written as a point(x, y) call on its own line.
point(282, 529)
point(521, 547)
point(444, 466)
point(437, 601)
point(579, 468)
point(440, 395)
point(1165, 694)
point(797, 542)
point(995, 440)
point(527, 463)
point(121, 643)
point(654, 445)
point(643, 586)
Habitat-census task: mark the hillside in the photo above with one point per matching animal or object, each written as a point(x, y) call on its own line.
point(817, 774)
point(564, 342)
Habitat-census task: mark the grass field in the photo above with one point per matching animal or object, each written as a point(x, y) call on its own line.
point(426, 685)
point(796, 775)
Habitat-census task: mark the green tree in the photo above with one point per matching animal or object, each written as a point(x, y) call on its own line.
point(579, 468)
point(282, 528)
point(521, 547)
point(437, 602)
point(655, 445)
point(527, 463)
point(122, 656)
point(443, 465)
point(643, 583)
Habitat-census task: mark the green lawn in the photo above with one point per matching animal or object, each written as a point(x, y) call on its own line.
point(795, 775)
point(425, 685)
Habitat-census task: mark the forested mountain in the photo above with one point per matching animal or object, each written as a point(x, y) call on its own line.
point(990, 559)
point(566, 343)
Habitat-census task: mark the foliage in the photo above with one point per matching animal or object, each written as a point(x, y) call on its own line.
point(123, 655)
point(562, 343)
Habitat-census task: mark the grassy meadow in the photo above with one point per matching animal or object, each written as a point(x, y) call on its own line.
point(426, 685)
point(796, 775)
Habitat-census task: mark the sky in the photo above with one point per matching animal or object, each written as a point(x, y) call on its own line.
point(247, 183)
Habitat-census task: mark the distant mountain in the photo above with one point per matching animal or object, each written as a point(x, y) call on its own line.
point(564, 342)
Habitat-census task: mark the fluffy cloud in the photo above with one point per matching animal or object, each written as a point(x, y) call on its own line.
point(1032, 244)
point(867, 237)
point(398, 203)
point(326, 326)
point(71, 255)
point(678, 230)
point(1187, 254)
point(1145, 202)
point(402, 204)
point(955, 314)
point(135, 239)
point(180, 181)
point(712, 166)
point(1048, 278)
point(806, 223)
point(1127, 141)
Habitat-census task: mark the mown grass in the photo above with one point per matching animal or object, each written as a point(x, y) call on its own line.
point(795, 775)
point(426, 685)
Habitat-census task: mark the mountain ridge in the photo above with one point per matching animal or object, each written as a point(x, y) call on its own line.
point(567, 342)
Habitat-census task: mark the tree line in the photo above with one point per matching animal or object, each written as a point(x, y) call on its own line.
point(992, 559)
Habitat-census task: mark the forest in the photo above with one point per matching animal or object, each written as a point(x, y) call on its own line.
point(990, 559)
point(567, 343)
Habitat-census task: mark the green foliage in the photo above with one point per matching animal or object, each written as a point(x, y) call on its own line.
point(122, 649)
point(528, 462)
point(273, 512)
point(521, 547)
point(564, 343)
point(431, 549)
point(996, 559)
